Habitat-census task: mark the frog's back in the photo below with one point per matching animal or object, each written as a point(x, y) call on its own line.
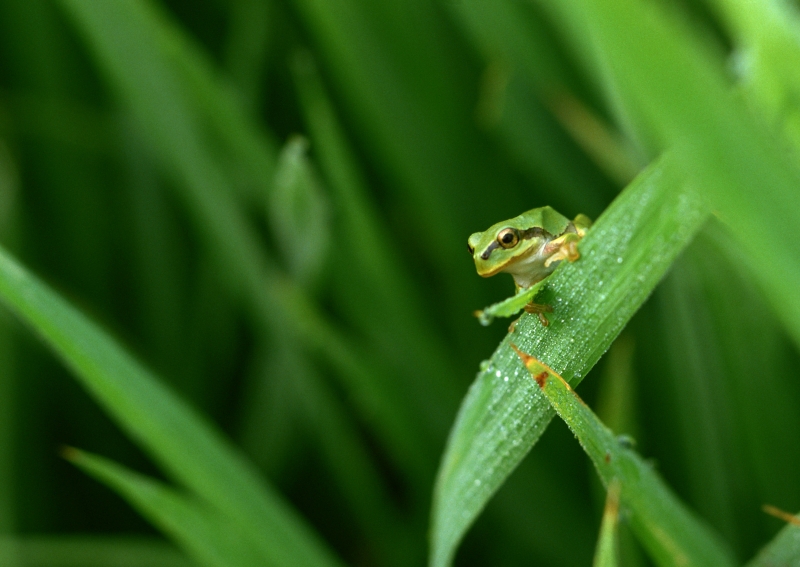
point(548, 218)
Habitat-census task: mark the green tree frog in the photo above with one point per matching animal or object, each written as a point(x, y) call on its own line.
point(529, 247)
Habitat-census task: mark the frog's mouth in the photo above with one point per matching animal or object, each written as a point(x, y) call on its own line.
point(484, 272)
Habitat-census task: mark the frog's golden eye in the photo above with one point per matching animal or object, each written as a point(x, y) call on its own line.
point(508, 238)
point(470, 248)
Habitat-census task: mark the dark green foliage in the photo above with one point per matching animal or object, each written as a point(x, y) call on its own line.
point(251, 217)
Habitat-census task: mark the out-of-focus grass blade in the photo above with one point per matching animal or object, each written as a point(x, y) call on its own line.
point(403, 93)
point(667, 529)
point(193, 80)
point(768, 38)
point(131, 44)
point(354, 470)
point(91, 551)
point(606, 554)
point(733, 458)
point(207, 534)
point(525, 72)
point(298, 206)
point(674, 84)
point(782, 551)
point(623, 257)
point(247, 48)
point(68, 122)
point(616, 398)
point(546, 153)
point(366, 247)
point(9, 193)
point(703, 410)
point(757, 347)
point(180, 440)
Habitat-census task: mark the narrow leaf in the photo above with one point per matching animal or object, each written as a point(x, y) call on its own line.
point(680, 92)
point(182, 442)
point(299, 213)
point(205, 533)
point(623, 257)
point(666, 528)
point(148, 63)
point(607, 554)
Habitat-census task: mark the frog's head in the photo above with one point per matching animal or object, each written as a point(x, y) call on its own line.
point(501, 246)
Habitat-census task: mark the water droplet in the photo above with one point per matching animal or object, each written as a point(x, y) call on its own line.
point(498, 373)
point(477, 482)
point(505, 378)
point(619, 260)
point(484, 366)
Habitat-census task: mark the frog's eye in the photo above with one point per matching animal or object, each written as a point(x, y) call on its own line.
point(508, 238)
point(470, 248)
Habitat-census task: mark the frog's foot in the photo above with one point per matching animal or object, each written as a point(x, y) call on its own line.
point(582, 223)
point(539, 309)
point(562, 248)
point(513, 325)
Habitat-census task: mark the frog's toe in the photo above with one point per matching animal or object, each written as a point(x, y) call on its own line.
point(539, 309)
point(568, 250)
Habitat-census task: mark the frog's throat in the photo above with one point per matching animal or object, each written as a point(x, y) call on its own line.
point(512, 260)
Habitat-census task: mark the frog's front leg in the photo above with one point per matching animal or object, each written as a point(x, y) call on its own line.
point(564, 247)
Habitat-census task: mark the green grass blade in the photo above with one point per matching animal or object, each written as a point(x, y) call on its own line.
point(623, 257)
point(9, 189)
point(366, 247)
point(353, 469)
point(204, 532)
point(768, 38)
point(679, 90)
point(91, 551)
point(732, 458)
point(667, 529)
point(525, 72)
point(607, 554)
point(182, 442)
point(403, 89)
point(782, 551)
point(298, 205)
point(138, 52)
point(247, 47)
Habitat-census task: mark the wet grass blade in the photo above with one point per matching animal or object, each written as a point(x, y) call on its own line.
point(668, 530)
point(623, 257)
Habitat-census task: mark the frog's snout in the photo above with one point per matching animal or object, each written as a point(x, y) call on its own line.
point(472, 242)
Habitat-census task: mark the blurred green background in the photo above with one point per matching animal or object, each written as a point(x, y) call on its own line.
point(267, 202)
